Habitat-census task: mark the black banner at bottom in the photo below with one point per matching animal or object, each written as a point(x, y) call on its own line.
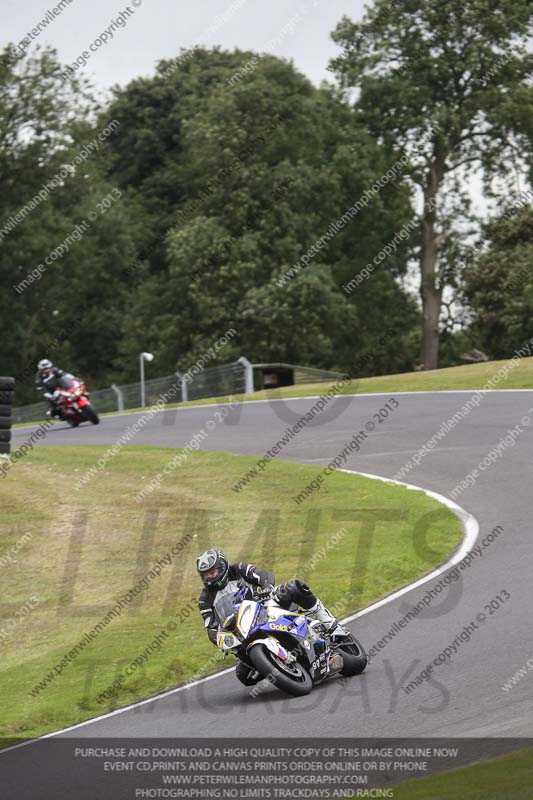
point(149, 769)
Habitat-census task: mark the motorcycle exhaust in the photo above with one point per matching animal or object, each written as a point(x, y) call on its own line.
point(336, 663)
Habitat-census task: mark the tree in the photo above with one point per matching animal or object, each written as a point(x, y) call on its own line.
point(216, 187)
point(259, 169)
point(447, 83)
point(498, 285)
point(72, 309)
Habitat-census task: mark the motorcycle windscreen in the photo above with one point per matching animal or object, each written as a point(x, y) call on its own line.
point(261, 616)
point(225, 599)
point(66, 382)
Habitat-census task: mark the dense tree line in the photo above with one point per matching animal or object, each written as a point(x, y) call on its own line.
point(185, 206)
point(498, 284)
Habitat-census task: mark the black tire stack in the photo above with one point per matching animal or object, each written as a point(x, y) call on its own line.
point(7, 393)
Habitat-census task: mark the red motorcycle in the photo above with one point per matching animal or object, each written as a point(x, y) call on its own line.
point(73, 403)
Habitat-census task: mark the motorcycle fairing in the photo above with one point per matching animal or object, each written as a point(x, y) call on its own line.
point(273, 645)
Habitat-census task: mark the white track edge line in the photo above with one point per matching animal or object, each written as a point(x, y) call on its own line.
point(471, 529)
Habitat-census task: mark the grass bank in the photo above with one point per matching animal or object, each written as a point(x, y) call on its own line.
point(67, 558)
point(509, 777)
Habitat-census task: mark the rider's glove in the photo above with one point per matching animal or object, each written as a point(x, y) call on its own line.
point(265, 582)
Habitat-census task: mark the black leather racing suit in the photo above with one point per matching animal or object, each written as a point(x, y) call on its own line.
point(47, 384)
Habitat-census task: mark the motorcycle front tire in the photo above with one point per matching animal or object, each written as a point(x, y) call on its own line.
point(91, 414)
point(264, 661)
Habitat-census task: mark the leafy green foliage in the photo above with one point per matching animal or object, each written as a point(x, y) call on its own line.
point(447, 83)
point(499, 286)
point(259, 169)
point(73, 309)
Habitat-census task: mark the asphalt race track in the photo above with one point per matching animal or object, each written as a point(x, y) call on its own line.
point(466, 699)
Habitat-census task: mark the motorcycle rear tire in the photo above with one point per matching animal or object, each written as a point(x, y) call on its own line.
point(264, 662)
point(354, 656)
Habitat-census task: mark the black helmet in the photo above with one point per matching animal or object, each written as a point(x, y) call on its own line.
point(213, 567)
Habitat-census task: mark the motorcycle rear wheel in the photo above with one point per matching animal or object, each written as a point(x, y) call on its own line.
point(354, 657)
point(291, 678)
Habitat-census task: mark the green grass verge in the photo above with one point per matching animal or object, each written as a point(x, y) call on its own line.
point(82, 550)
point(468, 377)
point(508, 777)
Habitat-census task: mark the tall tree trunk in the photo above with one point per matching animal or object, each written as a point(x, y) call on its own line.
point(430, 292)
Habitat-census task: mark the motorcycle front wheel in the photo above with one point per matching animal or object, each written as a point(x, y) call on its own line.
point(91, 414)
point(291, 678)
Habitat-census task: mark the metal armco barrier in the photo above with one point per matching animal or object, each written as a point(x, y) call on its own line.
point(7, 392)
point(196, 384)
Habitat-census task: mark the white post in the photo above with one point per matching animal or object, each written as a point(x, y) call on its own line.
point(141, 367)
point(184, 387)
point(120, 396)
point(142, 358)
point(249, 374)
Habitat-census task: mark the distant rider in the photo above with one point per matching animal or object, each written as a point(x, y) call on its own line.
point(47, 380)
point(216, 573)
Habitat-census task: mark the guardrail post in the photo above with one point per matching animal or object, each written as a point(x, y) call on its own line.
point(120, 396)
point(184, 387)
point(248, 374)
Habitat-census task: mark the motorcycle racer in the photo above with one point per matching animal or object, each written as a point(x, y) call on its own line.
point(216, 573)
point(47, 380)
point(66, 395)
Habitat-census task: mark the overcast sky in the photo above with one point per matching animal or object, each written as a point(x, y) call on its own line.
point(298, 30)
point(155, 29)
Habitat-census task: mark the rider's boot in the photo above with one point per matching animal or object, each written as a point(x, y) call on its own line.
point(52, 412)
point(320, 613)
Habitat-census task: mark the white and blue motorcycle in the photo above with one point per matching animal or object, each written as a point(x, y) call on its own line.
point(291, 651)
